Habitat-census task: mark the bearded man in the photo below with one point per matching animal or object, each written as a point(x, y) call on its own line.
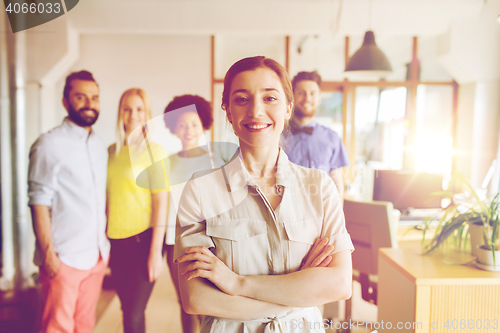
point(67, 196)
point(308, 143)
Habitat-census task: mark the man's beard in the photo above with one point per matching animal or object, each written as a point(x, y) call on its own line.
point(80, 118)
point(299, 112)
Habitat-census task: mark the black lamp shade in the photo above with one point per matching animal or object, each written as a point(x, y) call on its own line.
point(369, 60)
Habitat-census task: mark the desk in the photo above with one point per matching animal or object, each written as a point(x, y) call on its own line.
point(422, 289)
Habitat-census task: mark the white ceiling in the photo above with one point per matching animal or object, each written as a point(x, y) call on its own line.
point(276, 17)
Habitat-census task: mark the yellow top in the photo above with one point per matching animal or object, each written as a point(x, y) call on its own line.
point(129, 190)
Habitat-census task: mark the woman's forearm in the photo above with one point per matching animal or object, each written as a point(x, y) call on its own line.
point(158, 221)
point(200, 296)
point(157, 240)
point(309, 287)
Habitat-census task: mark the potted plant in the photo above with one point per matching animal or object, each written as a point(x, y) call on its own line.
point(488, 252)
point(465, 211)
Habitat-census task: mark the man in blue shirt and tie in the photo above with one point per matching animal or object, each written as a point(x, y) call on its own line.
point(310, 144)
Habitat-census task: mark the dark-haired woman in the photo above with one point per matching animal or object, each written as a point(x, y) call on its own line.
point(245, 229)
point(186, 117)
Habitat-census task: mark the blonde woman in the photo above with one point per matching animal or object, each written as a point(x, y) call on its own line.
point(136, 215)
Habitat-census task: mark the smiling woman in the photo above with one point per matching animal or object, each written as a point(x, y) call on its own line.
point(136, 216)
point(186, 117)
point(261, 241)
point(258, 108)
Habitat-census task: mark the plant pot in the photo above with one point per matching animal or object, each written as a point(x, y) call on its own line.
point(476, 233)
point(485, 259)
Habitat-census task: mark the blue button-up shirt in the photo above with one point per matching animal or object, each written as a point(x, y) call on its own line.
point(67, 172)
point(323, 149)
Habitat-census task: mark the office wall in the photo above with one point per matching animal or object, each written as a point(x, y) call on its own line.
point(485, 129)
point(164, 66)
point(470, 53)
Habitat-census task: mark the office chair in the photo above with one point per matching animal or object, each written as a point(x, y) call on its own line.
point(371, 226)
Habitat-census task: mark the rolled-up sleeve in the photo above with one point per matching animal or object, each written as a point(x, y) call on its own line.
point(333, 217)
point(42, 174)
point(191, 225)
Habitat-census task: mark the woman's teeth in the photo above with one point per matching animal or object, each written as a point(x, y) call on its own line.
point(257, 126)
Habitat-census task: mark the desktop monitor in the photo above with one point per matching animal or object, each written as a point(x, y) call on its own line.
point(408, 189)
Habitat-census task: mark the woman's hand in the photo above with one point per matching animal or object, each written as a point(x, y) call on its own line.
point(155, 265)
point(320, 254)
point(206, 265)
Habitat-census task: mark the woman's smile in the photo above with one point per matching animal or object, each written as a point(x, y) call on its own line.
point(257, 127)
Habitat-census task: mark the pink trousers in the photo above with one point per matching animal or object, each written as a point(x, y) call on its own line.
point(70, 298)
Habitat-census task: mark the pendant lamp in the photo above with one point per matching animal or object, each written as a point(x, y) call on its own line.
point(369, 60)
